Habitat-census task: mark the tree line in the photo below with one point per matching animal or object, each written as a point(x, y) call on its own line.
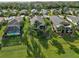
point(38, 5)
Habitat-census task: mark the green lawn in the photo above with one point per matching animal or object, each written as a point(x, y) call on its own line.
point(18, 51)
point(35, 47)
point(56, 47)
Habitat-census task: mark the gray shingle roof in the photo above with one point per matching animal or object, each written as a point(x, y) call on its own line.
point(74, 18)
point(16, 21)
point(56, 20)
point(36, 18)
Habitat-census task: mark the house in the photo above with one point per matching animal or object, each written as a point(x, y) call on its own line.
point(13, 12)
point(74, 20)
point(13, 32)
point(36, 18)
point(14, 27)
point(39, 25)
point(23, 12)
point(5, 12)
point(34, 11)
point(68, 11)
point(44, 12)
point(38, 22)
point(57, 11)
point(61, 25)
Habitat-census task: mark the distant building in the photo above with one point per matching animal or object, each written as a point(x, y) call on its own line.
point(44, 11)
point(57, 11)
point(34, 11)
point(13, 12)
point(23, 12)
point(36, 18)
point(5, 12)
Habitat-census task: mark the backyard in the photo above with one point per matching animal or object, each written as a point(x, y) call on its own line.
point(56, 47)
point(32, 46)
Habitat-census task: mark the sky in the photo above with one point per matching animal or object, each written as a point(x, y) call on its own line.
point(32, 0)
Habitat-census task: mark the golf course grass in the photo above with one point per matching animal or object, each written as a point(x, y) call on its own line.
point(56, 47)
point(18, 51)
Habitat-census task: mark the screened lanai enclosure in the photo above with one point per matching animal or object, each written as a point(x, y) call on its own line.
point(13, 31)
point(61, 25)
